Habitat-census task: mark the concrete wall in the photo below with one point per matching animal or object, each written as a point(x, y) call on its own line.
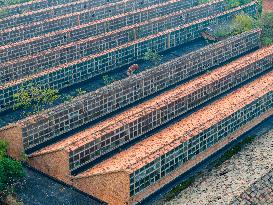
point(91, 106)
point(61, 77)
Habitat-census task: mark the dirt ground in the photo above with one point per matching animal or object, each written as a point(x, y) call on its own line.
point(268, 5)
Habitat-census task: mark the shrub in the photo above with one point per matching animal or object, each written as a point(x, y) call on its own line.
point(152, 56)
point(235, 3)
point(67, 97)
point(260, 7)
point(242, 23)
point(204, 1)
point(80, 91)
point(180, 187)
point(34, 97)
point(3, 13)
point(239, 24)
point(266, 23)
point(10, 171)
point(224, 31)
point(107, 79)
point(266, 41)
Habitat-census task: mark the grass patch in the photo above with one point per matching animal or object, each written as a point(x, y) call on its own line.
point(180, 187)
point(234, 150)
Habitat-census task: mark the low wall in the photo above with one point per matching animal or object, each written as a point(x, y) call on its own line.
point(29, 65)
point(88, 67)
point(91, 106)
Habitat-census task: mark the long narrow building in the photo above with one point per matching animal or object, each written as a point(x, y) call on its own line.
point(133, 174)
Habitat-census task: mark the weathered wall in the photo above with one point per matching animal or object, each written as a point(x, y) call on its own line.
point(36, 5)
point(13, 135)
point(29, 65)
point(110, 187)
point(199, 158)
point(84, 109)
point(161, 113)
point(54, 164)
point(74, 19)
point(62, 37)
point(46, 11)
point(61, 77)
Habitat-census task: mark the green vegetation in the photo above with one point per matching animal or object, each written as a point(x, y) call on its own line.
point(230, 3)
point(239, 24)
point(204, 1)
point(152, 56)
point(242, 23)
point(260, 6)
point(107, 79)
point(235, 3)
point(67, 97)
point(3, 13)
point(11, 171)
point(34, 97)
point(180, 187)
point(266, 23)
point(80, 91)
point(234, 150)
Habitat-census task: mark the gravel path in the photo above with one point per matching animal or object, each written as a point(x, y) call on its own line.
point(219, 186)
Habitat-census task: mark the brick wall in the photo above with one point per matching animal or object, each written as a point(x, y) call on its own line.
point(70, 20)
point(29, 15)
point(28, 65)
point(155, 116)
point(93, 105)
point(62, 37)
point(64, 76)
point(197, 144)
